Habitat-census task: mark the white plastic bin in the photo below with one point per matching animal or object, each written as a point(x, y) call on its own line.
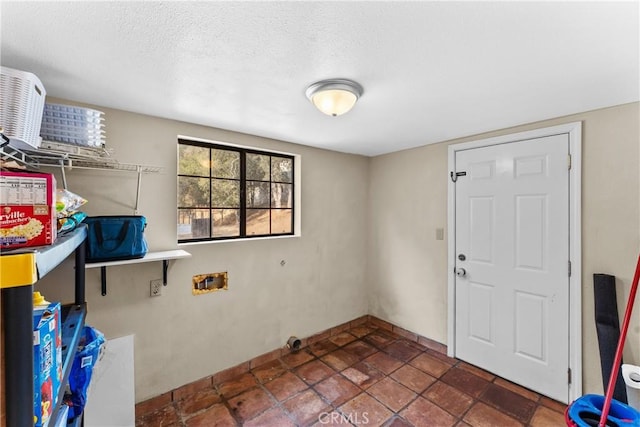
point(22, 98)
point(72, 125)
point(631, 375)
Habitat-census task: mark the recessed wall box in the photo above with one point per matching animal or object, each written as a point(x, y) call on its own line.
point(211, 282)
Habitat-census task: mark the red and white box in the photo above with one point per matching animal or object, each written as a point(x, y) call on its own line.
point(27, 209)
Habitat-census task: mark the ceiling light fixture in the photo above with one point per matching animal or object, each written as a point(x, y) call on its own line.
point(334, 97)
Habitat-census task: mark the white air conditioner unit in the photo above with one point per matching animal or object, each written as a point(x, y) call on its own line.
point(22, 98)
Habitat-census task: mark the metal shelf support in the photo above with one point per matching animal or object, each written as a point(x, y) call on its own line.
point(135, 211)
point(165, 267)
point(17, 305)
point(103, 280)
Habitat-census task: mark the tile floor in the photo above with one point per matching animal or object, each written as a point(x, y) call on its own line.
point(363, 376)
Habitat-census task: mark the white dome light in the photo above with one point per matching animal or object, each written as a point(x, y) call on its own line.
point(334, 97)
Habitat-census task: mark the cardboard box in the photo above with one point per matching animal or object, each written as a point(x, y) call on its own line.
point(47, 361)
point(27, 209)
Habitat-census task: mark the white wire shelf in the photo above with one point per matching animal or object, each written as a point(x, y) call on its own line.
point(95, 164)
point(55, 154)
point(69, 156)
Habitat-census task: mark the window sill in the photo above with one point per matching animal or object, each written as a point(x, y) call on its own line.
point(245, 239)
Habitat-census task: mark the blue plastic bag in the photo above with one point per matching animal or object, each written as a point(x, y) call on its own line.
point(85, 359)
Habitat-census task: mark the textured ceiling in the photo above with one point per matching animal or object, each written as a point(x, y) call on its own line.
point(431, 71)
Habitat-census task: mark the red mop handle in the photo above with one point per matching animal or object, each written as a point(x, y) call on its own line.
point(618, 357)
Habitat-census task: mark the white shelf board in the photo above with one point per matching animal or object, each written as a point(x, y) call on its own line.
point(149, 257)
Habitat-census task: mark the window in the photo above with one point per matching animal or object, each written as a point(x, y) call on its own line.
point(228, 192)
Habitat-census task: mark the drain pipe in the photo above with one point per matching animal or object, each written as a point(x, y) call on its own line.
point(294, 344)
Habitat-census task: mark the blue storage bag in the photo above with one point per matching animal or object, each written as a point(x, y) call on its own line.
point(111, 238)
point(86, 357)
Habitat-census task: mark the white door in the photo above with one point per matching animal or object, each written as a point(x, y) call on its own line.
point(512, 262)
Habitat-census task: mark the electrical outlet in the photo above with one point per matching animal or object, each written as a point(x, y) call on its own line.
point(156, 287)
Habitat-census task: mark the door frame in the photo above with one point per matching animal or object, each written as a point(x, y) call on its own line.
point(574, 132)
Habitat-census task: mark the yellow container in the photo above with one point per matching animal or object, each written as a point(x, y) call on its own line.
point(18, 270)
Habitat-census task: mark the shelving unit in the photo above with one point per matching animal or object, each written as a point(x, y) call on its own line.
point(20, 269)
point(68, 156)
point(163, 256)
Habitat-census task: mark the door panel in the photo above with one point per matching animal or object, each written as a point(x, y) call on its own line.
point(531, 225)
point(480, 310)
point(512, 225)
point(481, 216)
point(530, 326)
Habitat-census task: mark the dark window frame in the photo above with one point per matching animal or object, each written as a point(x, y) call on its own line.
point(243, 151)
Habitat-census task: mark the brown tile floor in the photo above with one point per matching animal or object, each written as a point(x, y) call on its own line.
point(364, 376)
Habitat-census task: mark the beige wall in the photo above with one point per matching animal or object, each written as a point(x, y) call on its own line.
point(368, 231)
point(407, 270)
point(180, 338)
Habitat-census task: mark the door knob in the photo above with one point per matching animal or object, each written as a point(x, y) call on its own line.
point(461, 272)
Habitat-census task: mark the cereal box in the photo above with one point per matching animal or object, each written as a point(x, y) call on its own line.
point(27, 209)
point(47, 361)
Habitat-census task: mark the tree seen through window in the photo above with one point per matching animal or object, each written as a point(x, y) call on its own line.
point(228, 192)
